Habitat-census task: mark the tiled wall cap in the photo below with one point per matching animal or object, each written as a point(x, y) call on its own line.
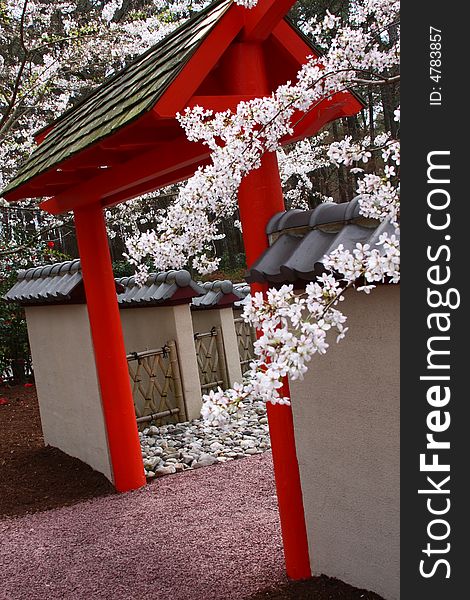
point(34, 273)
point(125, 281)
point(353, 209)
point(69, 266)
point(329, 212)
point(242, 290)
point(225, 286)
point(294, 218)
point(57, 268)
point(182, 278)
point(272, 225)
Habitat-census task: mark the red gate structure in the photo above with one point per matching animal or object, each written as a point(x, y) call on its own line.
point(124, 140)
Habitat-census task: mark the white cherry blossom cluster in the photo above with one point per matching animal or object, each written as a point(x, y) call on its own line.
point(298, 163)
point(247, 3)
point(293, 328)
point(238, 140)
point(348, 152)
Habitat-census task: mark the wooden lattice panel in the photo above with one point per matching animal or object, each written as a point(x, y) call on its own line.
point(156, 383)
point(211, 360)
point(246, 336)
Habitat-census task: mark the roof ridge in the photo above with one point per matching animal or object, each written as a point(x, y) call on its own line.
point(218, 285)
point(67, 266)
point(324, 214)
point(129, 65)
point(296, 253)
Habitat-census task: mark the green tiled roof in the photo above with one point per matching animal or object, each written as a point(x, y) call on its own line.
point(123, 97)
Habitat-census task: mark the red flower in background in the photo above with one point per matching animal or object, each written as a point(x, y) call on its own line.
point(3, 401)
point(27, 385)
point(50, 244)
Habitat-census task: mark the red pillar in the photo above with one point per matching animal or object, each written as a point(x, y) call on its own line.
point(259, 198)
point(108, 344)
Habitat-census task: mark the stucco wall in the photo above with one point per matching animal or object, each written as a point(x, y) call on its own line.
point(346, 416)
point(204, 320)
point(153, 327)
point(67, 384)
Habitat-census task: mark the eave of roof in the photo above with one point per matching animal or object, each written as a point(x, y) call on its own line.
point(64, 175)
point(62, 283)
point(217, 294)
point(170, 287)
point(122, 98)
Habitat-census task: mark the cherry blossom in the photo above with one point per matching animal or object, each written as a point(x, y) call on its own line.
point(364, 51)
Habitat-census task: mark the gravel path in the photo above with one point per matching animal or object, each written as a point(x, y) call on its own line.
point(173, 448)
point(207, 534)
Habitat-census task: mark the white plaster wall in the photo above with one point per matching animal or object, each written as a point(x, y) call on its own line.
point(152, 327)
point(67, 383)
point(204, 320)
point(227, 323)
point(346, 417)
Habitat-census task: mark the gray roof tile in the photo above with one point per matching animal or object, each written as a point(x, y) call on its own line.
point(216, 293)
point(243, 292)
point(47, 284)
point(297, 251)
point(267, 267)
point(62, 283)
point(169, 287)
point(328, 213)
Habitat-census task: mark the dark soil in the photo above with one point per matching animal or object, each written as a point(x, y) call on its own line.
point(317, 588)
point(34, 478)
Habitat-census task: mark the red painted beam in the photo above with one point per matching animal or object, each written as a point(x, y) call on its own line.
point(292, 42)
point(170, 178)
point(308, 124)
point(108, 345)
point(200, 65)
point(259, 198)
point(263, 18)
point(144, 168)
point(219, 103)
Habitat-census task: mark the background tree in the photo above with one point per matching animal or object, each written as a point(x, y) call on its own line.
point(53, 53)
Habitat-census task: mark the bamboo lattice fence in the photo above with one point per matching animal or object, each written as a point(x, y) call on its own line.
point(211, 360)
point(246, 336)
point(156, 384)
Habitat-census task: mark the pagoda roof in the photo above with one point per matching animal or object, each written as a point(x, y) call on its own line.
point(122, 98)
point(123, 140)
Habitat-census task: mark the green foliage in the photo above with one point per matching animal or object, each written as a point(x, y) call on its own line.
point(232, 267)
point(121, 268)
point(15, 359)
point(232, 262)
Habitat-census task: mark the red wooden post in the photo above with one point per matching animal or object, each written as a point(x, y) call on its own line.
point(259, 198)
point(108, 344)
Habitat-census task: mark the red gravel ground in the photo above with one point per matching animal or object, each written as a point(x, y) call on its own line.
point(210, 534)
